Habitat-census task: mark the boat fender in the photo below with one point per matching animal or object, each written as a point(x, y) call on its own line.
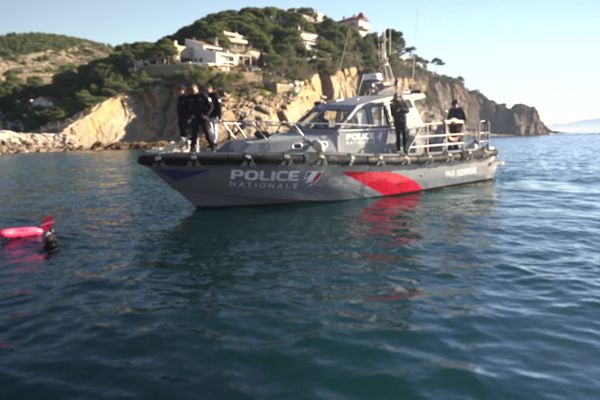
point(193, 161)
point(449, 157)
point(287, 160)
point(352, 159)
point(157, 161)
point(429, 159)
point(467, 155)
point(317, 146)
point(322, 161)
point(380, 161)
point(406, 160)
point(248, 161)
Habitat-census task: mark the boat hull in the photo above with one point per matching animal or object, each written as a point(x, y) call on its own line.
point(225, 182)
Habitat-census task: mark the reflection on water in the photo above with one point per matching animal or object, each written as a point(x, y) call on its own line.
point(356, 264)
point(390, 217)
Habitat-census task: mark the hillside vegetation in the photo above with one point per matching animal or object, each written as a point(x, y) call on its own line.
point(275, 32)
point(37, 57)
point(14, 45)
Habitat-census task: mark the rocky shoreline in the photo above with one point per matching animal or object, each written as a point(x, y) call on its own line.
point(147, 118)
point(18, 142)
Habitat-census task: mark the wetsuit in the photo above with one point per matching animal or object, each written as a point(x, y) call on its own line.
point(399, 110)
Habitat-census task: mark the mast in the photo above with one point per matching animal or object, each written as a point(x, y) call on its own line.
point(414, 54)
point(384, 62)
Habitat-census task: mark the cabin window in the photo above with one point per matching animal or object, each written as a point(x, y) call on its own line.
point(360, 117)
point(372, 115)
point(325, 119)
point(378, 115)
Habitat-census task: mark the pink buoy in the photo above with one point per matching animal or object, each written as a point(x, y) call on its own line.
point(28, 231)
point(21, 232)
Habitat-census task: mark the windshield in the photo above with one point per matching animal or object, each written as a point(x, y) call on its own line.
point(370, 115)
point(328, 118)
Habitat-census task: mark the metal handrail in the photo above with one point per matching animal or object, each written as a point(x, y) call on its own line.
point(481, 137)
point(426, 137)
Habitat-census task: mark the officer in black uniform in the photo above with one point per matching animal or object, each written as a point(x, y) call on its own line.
point(215, 115)
point(200, 109)
point(455, 112)
point(399, 110)
point(183, 111)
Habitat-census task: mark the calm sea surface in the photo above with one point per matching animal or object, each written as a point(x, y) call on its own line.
point(486, 291)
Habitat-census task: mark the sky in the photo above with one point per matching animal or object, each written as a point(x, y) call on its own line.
point(539, 53)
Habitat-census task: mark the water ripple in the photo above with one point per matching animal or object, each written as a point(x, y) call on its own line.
point(482, 291)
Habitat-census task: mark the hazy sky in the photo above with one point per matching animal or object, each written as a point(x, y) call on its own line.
point(540, 53)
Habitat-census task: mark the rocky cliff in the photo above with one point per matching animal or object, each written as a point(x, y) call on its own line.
point(518, 120)
point(150, 115)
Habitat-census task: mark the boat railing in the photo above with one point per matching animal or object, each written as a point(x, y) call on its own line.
point(431, 138)
point(259, 129)
point(264, 129)
point(237, 130)
point(449, 136)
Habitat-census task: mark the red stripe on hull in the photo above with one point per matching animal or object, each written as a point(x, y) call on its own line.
point(386, 183)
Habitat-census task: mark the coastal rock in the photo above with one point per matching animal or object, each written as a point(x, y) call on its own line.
point(105, 124)
point(16, 142)
point(262, 109)
point(518, 120)
point(150, 115)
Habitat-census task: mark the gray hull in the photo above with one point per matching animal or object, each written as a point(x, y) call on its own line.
point(223, 181)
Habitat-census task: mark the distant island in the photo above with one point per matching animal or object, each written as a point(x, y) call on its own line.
point(585, 126)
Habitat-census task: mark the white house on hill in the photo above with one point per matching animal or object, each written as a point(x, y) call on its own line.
point(317, 19)
point(241, 46)
point(199, 52)
point(239, 43)
point(360, 22)
point(309, 39)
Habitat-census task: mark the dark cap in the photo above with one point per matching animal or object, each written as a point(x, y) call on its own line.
point(454, 102)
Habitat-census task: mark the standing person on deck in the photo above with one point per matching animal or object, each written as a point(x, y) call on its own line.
point(215, 115)
point(399, 109)
point(456, 112)
point(183, 114)
point(200, 109)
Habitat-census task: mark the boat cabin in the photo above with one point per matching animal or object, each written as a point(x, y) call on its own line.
point(355, 125)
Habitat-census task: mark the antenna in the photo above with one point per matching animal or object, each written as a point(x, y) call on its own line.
point(414, 54)
point(390, 42)
point(344, 51)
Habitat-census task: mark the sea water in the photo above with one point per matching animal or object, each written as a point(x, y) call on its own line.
point(484, 291)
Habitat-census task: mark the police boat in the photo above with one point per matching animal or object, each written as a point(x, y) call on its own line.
point(339, 150)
